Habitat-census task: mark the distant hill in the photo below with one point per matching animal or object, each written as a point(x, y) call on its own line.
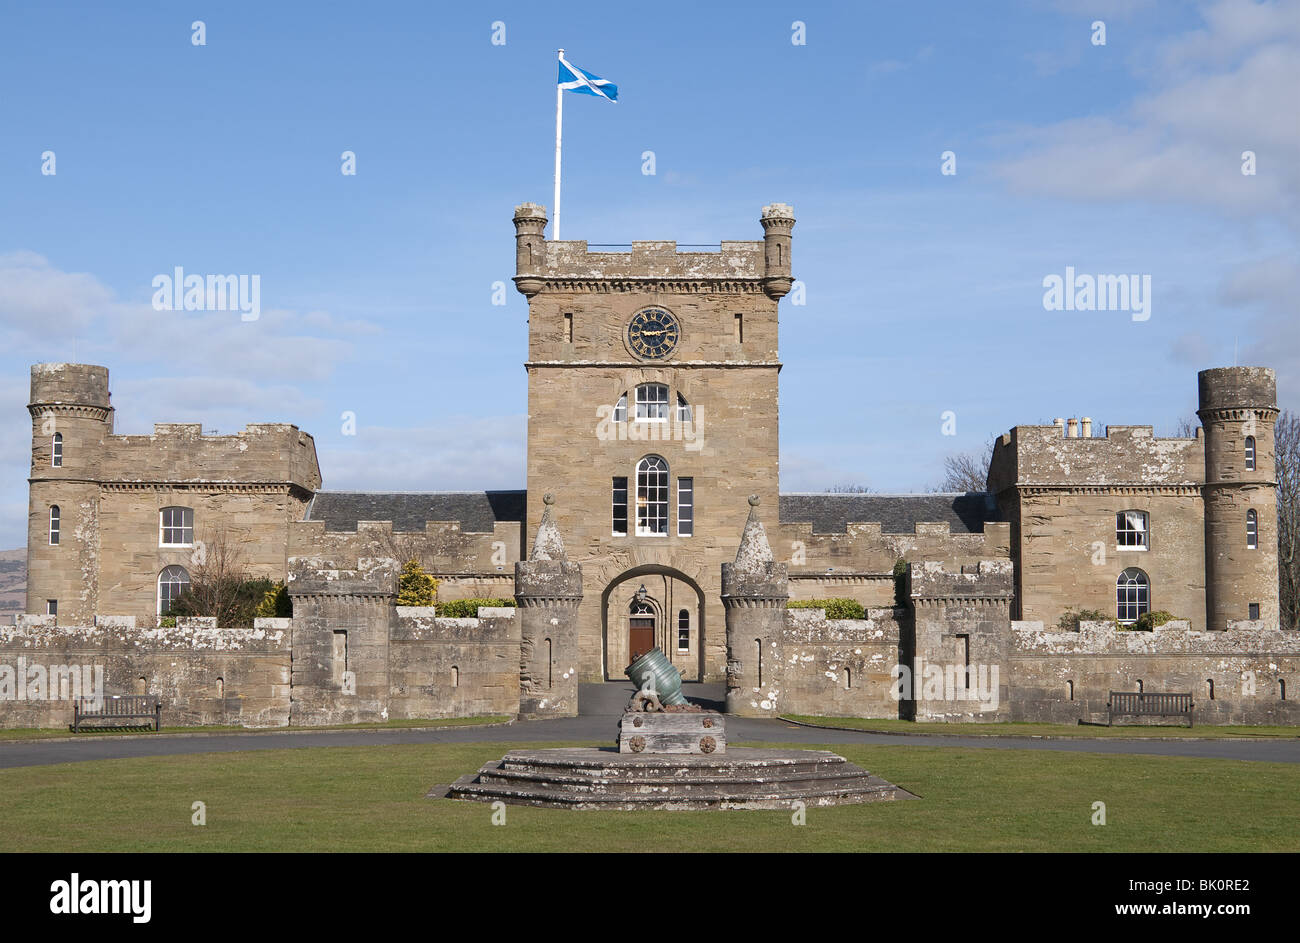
point(13, 580)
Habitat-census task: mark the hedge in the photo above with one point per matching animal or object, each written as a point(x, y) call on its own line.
point(468, 608)
point(835, 608)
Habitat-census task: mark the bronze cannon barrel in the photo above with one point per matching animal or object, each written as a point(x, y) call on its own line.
point(654, 669)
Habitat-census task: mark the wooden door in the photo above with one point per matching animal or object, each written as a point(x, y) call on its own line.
point(641, 636)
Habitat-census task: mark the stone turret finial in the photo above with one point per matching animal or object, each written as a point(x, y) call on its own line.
point(548, 545)
point(754, 553)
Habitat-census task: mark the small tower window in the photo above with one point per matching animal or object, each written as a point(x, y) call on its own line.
point(56, 450)
point(1250, 453)
point(568, 328)
point(685, 507)
point(1131, 530)
point(652, 402)
point(619, 502)
point(1252, 611)
point(684, 412)
point(740, 329)
point(51, 607)
point(1132, 595)
point(176, 527)
point(1252, 530)
point(54, 524)
point(620, 409)
point(684, 630)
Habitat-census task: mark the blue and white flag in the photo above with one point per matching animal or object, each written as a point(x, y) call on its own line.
point(578, 80)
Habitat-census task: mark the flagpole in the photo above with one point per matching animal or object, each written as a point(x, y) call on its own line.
point(559, 112)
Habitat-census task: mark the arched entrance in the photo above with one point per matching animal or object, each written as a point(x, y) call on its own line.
point(648, 606)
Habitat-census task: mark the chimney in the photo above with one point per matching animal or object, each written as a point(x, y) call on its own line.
point(1072, 429)
point(1086, 423)
point(1060, 424)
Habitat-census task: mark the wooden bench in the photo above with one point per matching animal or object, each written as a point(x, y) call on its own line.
point(116, 708)
point(1137, 704)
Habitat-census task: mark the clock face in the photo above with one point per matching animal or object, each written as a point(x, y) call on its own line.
point(653, 333)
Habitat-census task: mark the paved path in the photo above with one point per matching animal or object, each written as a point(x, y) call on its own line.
point(599, 706)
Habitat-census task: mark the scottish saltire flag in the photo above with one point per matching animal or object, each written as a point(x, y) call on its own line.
point(578, 80)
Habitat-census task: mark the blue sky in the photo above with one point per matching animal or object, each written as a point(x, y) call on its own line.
point(924, 291)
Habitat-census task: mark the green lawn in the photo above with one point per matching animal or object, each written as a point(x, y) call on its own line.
point(1044, 730)
point(45, 733)
point(372, 799)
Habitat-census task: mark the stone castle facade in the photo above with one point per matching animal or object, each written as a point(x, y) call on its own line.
point(653, 420)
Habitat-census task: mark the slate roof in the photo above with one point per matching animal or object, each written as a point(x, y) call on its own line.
point(409, 511)
point(478, 510)
point(896, 513)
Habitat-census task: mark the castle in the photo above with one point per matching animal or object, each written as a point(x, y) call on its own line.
point(653, 420)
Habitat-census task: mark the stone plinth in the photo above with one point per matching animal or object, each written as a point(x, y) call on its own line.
point(745, 778)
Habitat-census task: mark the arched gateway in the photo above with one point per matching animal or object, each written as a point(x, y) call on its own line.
point(647, 606)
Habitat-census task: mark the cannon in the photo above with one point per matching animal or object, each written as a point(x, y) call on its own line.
point(659, 683)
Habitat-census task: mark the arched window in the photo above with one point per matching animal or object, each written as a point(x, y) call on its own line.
point(172, 581)
point(620, 409)
point(652, 497)
point(54, 524)
point(1250, 453)
point(1252, 530)
point(1131, 530)
point(56, 450)
point(176, 527)
point(684, 631)
point(684, 412)
point(652, 402)
point(1132, 595)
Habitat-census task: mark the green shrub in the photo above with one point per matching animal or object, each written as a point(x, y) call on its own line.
point(835, 608)
point(167, 622)
point(900, 582)
point(275, 604)
point(468, 608)
point(1069, 621)
point(415, 587)
point(1149, 620)
point(233, 600)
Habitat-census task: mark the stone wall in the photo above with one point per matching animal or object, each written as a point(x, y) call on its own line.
point(454, 667)
point(1246, 675)
point(836, 667)
point(203, 674)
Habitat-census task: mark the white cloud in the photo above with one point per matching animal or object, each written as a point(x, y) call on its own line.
point(1222, 90)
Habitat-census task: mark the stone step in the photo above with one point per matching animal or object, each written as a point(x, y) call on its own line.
point(595, 764)
point(738, 796)
point(495, 776)
point(745, 778)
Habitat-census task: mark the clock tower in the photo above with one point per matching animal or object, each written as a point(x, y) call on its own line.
point(652, 417)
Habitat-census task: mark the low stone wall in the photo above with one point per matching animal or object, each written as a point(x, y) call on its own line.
point(834, 667)
point(203, 675)
point(454, 667)
point(1247, 675)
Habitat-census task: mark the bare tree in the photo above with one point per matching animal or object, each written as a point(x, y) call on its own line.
point(968, 471)
point(217, 579)
point(1187, 427)
point(1287, 453)
point(849, 489)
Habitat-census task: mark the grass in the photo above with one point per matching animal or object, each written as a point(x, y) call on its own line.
point(1045, 730)
point(372, 799)
point(43, 733)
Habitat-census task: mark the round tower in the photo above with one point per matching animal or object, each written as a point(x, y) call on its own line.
point(71, 416)
point(1238, 408)
point(778, 221)
point(530, 247)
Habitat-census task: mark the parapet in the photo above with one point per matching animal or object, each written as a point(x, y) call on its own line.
point(983, 580)
point(70, 384)
point(1237, 388)
point(1125, 455)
